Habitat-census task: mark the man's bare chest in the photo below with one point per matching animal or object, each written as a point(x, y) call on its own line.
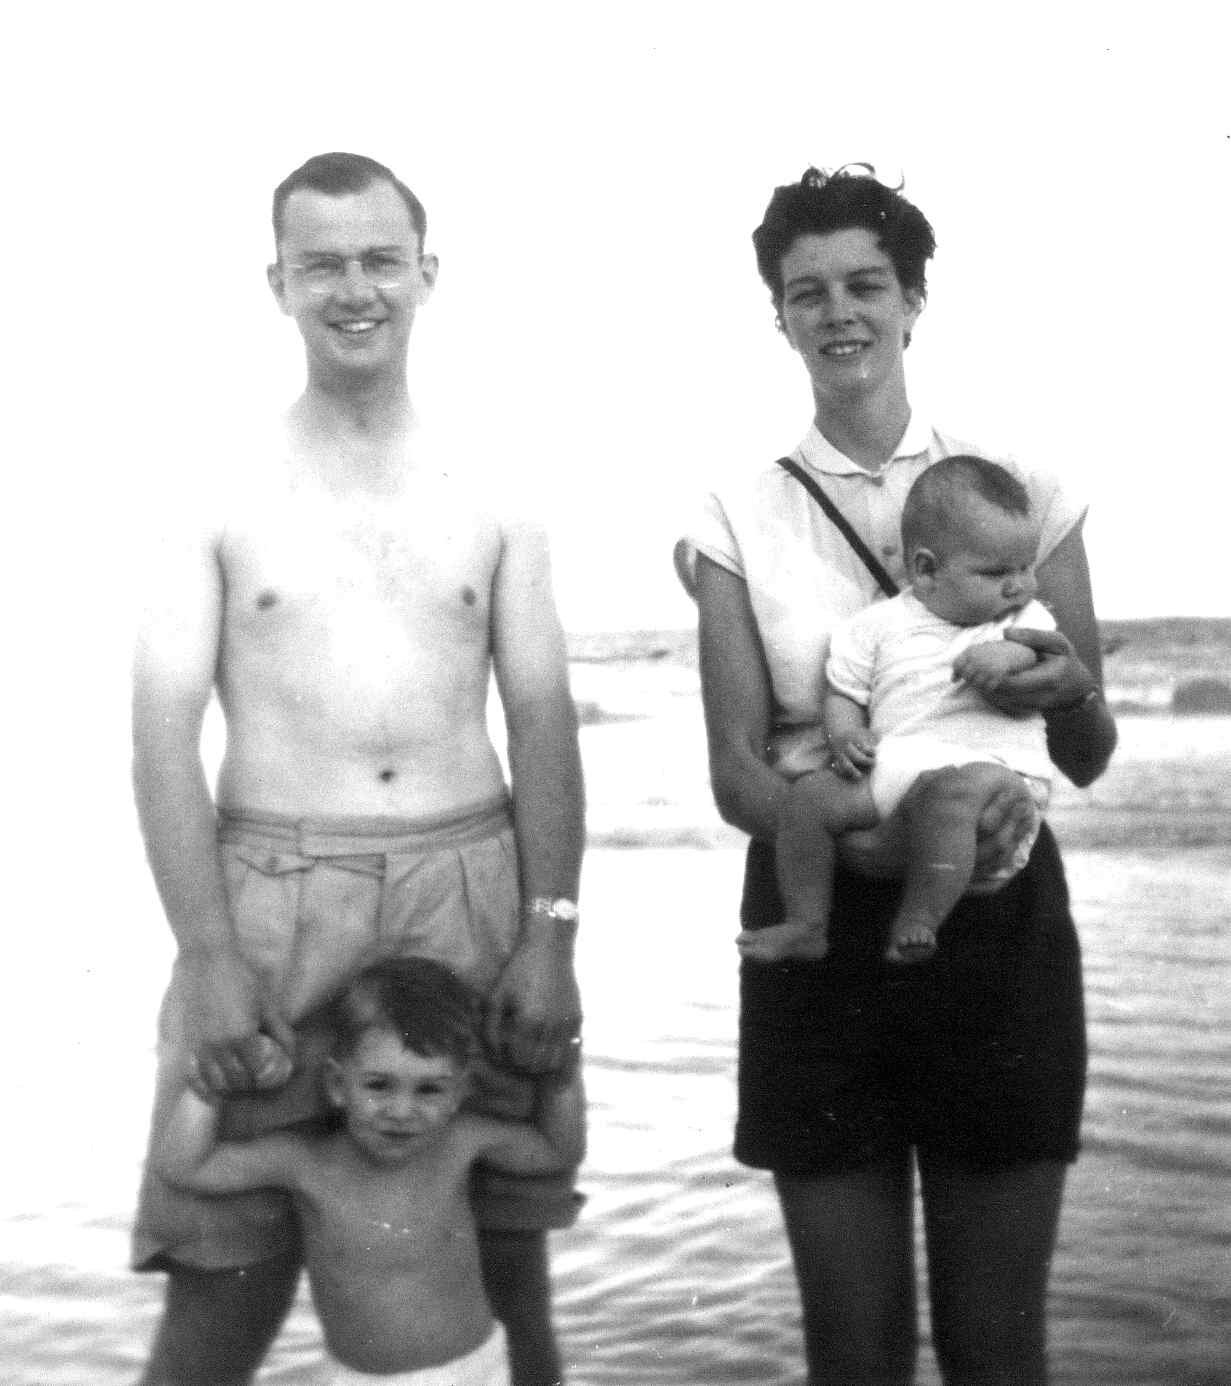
point(316, 563)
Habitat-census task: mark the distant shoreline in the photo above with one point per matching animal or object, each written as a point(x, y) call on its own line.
point(608, 646)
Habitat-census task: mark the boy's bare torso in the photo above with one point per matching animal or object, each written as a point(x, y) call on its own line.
point(354, 646)
point(392, 1254)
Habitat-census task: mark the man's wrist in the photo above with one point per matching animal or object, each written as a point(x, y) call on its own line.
point(553, 916)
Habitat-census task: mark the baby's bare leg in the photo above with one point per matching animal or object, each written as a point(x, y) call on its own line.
point(821, 807)
point(942, 811)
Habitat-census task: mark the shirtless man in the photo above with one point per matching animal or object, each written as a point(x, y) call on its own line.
point(348, 599)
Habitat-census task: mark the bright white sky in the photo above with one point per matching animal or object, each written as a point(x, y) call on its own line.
point(592, 174)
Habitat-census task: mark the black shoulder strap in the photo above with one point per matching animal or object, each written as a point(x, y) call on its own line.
point(870, 561)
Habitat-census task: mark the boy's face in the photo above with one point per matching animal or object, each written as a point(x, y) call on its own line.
point(985, 572)
point(395, 1100)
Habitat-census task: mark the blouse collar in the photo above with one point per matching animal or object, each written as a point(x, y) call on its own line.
point(821, 455)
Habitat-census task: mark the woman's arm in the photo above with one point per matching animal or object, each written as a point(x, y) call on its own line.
point(1066, 684)
point(735, 690)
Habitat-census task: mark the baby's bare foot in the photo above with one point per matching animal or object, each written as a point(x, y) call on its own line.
point(791, 939)
point(912, 942)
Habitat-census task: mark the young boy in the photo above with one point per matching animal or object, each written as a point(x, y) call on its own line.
point(905, 680)
point(389, 1238)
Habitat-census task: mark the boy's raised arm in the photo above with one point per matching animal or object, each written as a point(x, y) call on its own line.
point(554, 1140)
point(186, 1153)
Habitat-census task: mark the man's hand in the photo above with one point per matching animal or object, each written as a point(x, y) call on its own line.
point(238, 1038)
point(1056, 678)
point(534, 1013)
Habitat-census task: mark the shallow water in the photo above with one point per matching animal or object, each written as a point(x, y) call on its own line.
point(677, 1271)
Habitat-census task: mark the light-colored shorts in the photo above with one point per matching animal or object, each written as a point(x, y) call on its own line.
point(487, 1365)
point(900, 760)
point(314, 901)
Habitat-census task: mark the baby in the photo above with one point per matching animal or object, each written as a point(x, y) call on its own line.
point(905, 682)
point(389, 1240)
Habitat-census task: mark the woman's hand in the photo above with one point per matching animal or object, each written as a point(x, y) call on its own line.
point(985, 666)
point(1056, 680)
point(1006, 819)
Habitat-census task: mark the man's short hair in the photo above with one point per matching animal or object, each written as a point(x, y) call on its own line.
point(338, 174)
point(426, 1004)
point(938, 501)
point(852, 196)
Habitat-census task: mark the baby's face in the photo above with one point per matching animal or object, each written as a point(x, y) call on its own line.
point(395, 1099)
point(988, 573)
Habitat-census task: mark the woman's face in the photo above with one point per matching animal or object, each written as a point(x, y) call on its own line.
point(845, 312)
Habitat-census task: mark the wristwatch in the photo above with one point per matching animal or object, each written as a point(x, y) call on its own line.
point(559, 909)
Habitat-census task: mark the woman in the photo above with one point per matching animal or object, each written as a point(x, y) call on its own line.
point(973, 1063)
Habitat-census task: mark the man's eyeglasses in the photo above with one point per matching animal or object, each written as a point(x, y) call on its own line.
point(324, 273)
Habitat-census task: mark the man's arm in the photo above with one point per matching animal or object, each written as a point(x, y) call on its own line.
point(535, 1011)
point(176, 656)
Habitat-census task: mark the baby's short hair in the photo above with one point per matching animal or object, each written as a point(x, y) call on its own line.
point(423, 1002)
point(936, 503)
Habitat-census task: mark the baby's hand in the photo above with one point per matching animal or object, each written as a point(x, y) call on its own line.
point(854, 754)
point(984, 667)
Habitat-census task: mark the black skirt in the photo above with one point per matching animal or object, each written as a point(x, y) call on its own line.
point(979, 1053)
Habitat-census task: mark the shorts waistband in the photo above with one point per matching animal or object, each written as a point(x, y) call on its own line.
point(354, 836)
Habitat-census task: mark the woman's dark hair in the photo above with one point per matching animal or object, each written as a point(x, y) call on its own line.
point(822, 202)
point(423, 1002)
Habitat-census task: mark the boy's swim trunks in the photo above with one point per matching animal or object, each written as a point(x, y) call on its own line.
point(313, 901)
point(978, 1053)
point(487, 1365)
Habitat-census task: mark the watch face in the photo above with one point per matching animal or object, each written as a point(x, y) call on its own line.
point(560, 909)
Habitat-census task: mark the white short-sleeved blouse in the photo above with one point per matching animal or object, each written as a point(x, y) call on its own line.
point(802, 575)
